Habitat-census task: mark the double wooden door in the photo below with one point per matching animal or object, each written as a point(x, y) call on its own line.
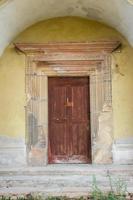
point(69, 120)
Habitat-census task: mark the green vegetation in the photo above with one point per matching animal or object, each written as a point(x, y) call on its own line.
point(118, 190)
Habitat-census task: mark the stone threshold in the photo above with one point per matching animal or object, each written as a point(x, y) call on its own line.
point(69, 167)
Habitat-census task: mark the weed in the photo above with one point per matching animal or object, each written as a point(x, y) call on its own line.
point(118, 190)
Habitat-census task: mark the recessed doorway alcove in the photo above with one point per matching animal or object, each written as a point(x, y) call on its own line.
point(86, 59)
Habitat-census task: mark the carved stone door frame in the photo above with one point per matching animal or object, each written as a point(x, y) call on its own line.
point(64, 59)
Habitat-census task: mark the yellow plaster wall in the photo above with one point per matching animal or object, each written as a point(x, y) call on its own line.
point(12, 66)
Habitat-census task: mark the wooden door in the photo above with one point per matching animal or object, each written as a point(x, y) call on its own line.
point(69, 120)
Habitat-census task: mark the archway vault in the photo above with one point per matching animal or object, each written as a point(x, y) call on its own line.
point(120, 16)
point(67, 59)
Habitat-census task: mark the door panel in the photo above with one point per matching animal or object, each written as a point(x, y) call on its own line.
point(58, 108)
point(80, 107)
point(69, 121)
point(57, 122)
point(59, 142)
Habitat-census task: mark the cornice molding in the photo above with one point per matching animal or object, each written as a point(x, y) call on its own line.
point(71, 47)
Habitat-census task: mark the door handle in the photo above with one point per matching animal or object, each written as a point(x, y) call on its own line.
point(69, 103)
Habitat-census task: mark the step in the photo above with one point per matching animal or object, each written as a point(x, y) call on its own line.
point(71, 180)
point(68, 169)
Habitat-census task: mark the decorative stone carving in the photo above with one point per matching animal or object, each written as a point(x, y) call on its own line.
point(104, 140)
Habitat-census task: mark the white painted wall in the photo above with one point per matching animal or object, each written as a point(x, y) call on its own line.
point(16, 15)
